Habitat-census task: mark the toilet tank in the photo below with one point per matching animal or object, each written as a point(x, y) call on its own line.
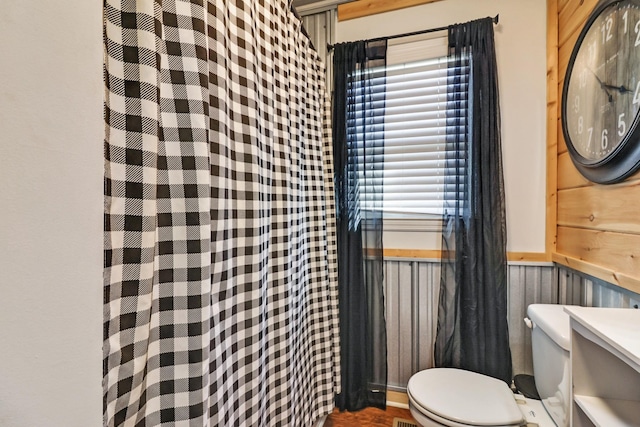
point(550, 343)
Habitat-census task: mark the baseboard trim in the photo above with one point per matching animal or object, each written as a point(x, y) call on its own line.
point(397, 399)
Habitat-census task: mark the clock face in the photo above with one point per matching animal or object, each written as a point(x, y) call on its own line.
point(602, 96)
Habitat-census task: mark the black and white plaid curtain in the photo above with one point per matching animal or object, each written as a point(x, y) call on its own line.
point(220, 260)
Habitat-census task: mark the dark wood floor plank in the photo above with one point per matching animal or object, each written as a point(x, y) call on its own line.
point(369, 417)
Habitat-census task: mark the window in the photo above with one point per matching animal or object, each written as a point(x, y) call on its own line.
point(417, 111)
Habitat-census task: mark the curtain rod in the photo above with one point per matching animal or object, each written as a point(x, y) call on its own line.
point(415, 33)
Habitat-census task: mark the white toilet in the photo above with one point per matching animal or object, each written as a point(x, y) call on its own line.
point(459, 398)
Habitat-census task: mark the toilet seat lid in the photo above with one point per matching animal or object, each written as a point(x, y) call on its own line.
point(464, 397)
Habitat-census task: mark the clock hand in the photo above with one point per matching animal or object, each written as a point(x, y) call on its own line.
point(620, 89)
point(603, 85)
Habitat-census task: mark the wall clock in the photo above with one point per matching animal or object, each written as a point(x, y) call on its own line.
point(601, 94)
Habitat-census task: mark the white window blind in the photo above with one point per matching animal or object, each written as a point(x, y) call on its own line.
point(417, 109)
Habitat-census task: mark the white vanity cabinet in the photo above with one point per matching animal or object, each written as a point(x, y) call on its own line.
point(605, 366)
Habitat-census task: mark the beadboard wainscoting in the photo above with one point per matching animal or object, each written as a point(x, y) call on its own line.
point(579, 289)
point(411, 292)
point(412, 289)
point(411, 300)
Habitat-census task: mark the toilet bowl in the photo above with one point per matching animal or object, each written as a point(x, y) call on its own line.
point(458, 398)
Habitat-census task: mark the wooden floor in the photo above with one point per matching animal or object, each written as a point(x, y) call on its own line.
point(369, 417)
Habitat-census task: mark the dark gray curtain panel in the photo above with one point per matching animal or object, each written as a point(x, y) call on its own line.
point(358, 127)
point(472, 317)
point(220, 281)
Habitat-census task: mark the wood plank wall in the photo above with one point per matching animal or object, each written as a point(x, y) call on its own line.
point(595, 228)
point(360, 8)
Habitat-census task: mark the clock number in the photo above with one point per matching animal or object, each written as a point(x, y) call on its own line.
point(592, 50)
point(622, 126)
point(637, 30)
point(590, 130)
point(580, 125)
point(636, 94)
point(604, 143)
point(583, 78)
point(576, 104)
point(606, 30)
point(625, 16)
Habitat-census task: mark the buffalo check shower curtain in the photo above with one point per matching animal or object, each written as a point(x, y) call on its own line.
point(220, 262)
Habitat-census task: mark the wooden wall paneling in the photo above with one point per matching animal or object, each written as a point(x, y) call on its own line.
point(561, 69)
point(561, 5)
point(420, 254)
point(412, 253)
point(613, 208)
point(527, 257)
point(615, 278)
point(552, 127)
point(564, 53)
point(562, 145)
point(568, 175)
point(572, 17)
point(608, 255)
point(360, 8)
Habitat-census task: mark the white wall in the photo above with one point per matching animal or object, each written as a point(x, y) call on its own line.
point(521, 55)
point(51, 169)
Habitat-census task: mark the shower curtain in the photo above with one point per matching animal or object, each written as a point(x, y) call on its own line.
point(220, 261)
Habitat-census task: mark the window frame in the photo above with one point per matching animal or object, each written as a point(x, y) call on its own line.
point(404, 53)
